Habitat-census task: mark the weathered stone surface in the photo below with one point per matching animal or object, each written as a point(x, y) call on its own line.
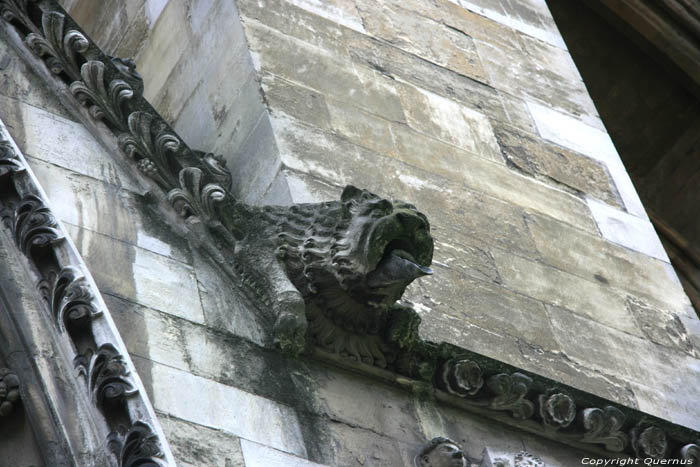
point(635, 233)
point(487, 177)
point(355, 446)
point(572, 133)
point(531, 17)
point(540, 71)
point(655, 370)
point(139, 275)
point(537, 157)
point(454, 123)
point(596, 301)
point(299, 102)
point(218, 406)
point(591, 257)
point(367, 404)
point(198, 446)
point(318, 69)
point(482, 304)
point(79, 200)
point(429, 40)
point(258, 455)
point(63, 142)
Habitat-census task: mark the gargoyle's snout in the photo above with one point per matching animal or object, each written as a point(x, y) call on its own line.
point(397, 267)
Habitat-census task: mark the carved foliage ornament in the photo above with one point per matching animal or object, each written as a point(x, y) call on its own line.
point(136, 447)
point(9, 391)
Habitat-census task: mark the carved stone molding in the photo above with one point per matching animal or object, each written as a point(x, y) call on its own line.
point(136, 447)
point(73, 305)
point(9, 391)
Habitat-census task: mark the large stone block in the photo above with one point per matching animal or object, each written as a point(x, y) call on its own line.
point(594, 300)
point(205, 402)
point(322, 71)
point(429, 40)
point(548, 161)
point(302, 103)
point(68, 144)
point(198, 446)
point(258, 455)
point(139, 275)
point(593, 258)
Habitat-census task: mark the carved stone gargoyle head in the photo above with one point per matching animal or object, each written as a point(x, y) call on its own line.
point(441, 452)
point(341, 265)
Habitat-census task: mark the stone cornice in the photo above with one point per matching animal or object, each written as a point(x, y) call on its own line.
point(194, 184)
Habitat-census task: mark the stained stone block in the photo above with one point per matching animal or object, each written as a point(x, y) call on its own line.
point(454, 123)
point(318, 69)
point(198, 446)
point(214, 405)
point(68, 144)
point(160, 53)
point(537, 157)
point(429, 40)
point(367, 404)
point(591, 257)
point(357, 446)
point(531, 17)
point(139, 275)
point(299, 102)
point(595, 301)
point(520, 71)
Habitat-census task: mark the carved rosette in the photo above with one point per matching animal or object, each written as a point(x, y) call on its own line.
point(59, 46)
point(137, 447)
point(462, 378)
point(9, 391)
point(557, 409)
point(525, 459)
point(108, 376)
point(35, 227)
point(510, 393)
point(649, 441)
point(104, 101)
point(691, 453)
point(603, 427)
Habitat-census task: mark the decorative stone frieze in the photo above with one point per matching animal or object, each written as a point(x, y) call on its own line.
point(72, 302)
point(9, 391)
point(327, 275)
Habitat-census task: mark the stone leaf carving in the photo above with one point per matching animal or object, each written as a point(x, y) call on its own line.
point(15, 10)
point(34, 226)
point(59, 46)
point(344, 264)
point(557, 409)
point(136, 447)
point(105, 102)
point(9, 164)
point(127, 68)
point(152, 146)
point(108, 377)
point(71, 300)
point(603, 427)
point(510, 393)
point(691, 452)
point(649, 441)
point(9, 391)
point(462, 378)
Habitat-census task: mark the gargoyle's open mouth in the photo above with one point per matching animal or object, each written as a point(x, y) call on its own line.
point(397, 266)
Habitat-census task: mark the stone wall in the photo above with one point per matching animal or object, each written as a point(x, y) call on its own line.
point(473, 112)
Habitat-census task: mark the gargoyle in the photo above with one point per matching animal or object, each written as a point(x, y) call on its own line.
point(341, 264)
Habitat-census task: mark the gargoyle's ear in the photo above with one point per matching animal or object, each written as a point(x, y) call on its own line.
point(350, 192)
